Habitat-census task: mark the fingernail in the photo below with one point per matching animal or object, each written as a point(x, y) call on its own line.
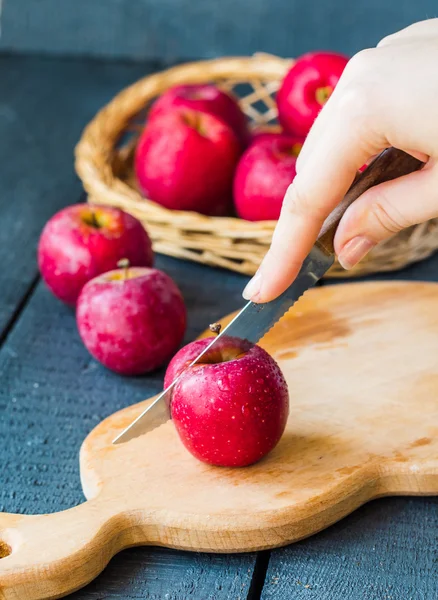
point(354, 251)
point(252, 290)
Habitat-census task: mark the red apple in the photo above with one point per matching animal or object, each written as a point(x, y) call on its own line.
point(185, 160)
point(306, 87)
point(131, 320)
point(204, 97)
point(82, 241)
point(263, 175)
point(231, 408)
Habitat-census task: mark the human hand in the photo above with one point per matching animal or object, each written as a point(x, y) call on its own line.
point(387, 96)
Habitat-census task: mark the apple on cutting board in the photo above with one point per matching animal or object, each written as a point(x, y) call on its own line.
point(231, 408)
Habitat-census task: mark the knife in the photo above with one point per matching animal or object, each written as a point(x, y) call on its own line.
point(255, 320)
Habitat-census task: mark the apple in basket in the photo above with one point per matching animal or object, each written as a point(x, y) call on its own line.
point(205, 97)
point(131, 319)
point(263, 175)
point(231, 408)
point(185, 160)
point(82, 241)
point(306, 88)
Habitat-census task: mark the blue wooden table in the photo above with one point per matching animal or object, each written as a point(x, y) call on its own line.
point(52, 393)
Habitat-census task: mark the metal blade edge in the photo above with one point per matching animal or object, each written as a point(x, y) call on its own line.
point(251, 323)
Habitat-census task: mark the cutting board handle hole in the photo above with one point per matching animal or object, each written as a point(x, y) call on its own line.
point(5, 549)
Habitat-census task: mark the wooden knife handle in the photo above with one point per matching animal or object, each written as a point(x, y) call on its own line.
point(390, 164)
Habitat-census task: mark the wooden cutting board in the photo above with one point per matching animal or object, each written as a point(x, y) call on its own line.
point(361, 361)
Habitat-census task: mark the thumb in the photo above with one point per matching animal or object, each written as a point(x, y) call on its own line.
point(385, 210)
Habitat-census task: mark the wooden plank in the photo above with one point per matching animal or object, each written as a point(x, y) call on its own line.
point(336, 453)
point(387, 550)
point(184, 29)
point(158, 573)
point(53, 394)
point(44, 105)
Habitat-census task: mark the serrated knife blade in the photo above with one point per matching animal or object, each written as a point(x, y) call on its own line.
point(255, 320)
point(251, 323)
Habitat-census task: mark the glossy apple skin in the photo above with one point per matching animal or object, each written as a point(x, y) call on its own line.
point(206, 98)
point(185, 160)
point(263, 175)
point(71, 251)
point(297, 99)
point(230, 413)
point(131, 326)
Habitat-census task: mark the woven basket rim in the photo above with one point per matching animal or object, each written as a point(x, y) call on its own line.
point(93, 179)
point(184, 233)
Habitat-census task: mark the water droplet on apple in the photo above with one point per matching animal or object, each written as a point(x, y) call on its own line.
point(260, 381)
point(245, 409)
point(223, 385)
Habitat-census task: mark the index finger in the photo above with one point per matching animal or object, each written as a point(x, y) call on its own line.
point(320, 184)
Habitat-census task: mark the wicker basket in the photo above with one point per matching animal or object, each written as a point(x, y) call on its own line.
point(104, 158)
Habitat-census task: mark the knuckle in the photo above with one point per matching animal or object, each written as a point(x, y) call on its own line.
point(298, 203)
point(360, 109)
point(294, 201)
point(356, 107)
point(388, 40)
point(361, 61)
point(355, 100)
point(356, 95)
point(359, 74)
point(389, 218)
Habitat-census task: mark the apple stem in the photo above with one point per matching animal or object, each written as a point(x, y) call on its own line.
point(215, 328)
point(296, 149)
point(124, 264)
point(322, 94)
point(94, 221)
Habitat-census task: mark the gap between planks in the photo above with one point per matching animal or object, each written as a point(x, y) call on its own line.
point(21, 305)
point(259, 575)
